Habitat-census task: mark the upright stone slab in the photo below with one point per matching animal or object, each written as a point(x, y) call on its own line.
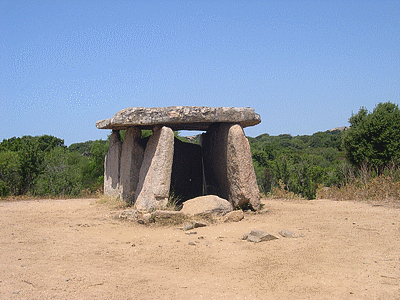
point(228, 166)
point(131, 161)
point(111, 165)
point(155, 172)
point(243, 188)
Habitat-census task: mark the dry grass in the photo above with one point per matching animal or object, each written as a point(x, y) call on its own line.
point(281, 193)
point(111, 201)
point(366, 186)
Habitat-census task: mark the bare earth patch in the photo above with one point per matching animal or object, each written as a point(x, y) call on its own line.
point(75, 249)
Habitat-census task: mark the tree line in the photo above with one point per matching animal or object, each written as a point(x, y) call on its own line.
point(300, 164)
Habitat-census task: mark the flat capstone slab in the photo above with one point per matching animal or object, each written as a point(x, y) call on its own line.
point(180, 117)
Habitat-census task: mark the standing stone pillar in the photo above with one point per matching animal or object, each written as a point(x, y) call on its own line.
point(228, 165)
point(155, 173)
point(111, 165)
point(131, 161)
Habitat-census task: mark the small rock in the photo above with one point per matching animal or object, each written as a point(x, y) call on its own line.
point(253, 238)
point(245, 236)
point(198, 224)
point(288, 234)
point(188, 227)
point(259, 236)
point(192, 232)
point(234, 216)
point(191, 244)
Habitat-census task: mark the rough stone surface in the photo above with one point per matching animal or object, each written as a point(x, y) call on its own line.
point(210, 204)
point(131, 161)
point(288, 234)
point(228, 165)
point(257, 236)
point(111, 165)
point(234, 216)
point(243, 188)
point(180, 117)
point(155, 173)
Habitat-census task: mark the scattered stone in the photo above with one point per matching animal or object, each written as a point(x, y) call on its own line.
point(145, 219)
point(188, 227)
point(128, 214)
point(192, 232)
point(209, 204)
point(263, 211)
point(192, 244)
point(253, 238)
point(257, 236)
point(201, 237)
point(288, 234)
point(234, 216)
point(197, 224)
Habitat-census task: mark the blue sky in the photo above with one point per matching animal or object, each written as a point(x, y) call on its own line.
point(304, 66)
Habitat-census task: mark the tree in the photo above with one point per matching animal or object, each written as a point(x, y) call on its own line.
point(373, 138)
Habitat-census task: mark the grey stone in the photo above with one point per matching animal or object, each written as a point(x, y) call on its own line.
point(155, 173)
point(180, 117)
point(192, 244)
point(128, 214)
point(111, 165)
point(188, 227)
point(228, 165)
point(254, 239)
point(245, 236)
point(234, 216)
point(210, 204)
point(197, 224)
point(131, 161)
point(259, 236)
point(288, 234)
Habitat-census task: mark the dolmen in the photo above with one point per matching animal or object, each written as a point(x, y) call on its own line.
point(149, 172)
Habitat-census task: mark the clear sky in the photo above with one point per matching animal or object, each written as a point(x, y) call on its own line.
point(304, 66)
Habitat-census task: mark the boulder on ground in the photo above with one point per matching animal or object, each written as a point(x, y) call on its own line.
point(209, 204)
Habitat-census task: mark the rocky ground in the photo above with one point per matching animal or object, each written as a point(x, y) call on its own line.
point(77, 249)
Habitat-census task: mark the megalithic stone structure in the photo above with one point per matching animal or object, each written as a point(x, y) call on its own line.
point(147, 172)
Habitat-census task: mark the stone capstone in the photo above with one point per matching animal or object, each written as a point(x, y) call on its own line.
point(180, 117)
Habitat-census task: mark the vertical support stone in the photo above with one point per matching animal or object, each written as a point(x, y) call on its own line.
point(155, 173)
point(243, 188)
point(228, 165)
point(131, 161)
point(112, 164)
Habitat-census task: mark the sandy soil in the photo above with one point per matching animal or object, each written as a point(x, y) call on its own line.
point(75, 249)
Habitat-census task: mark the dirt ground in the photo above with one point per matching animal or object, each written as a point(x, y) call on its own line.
point(75, 249)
